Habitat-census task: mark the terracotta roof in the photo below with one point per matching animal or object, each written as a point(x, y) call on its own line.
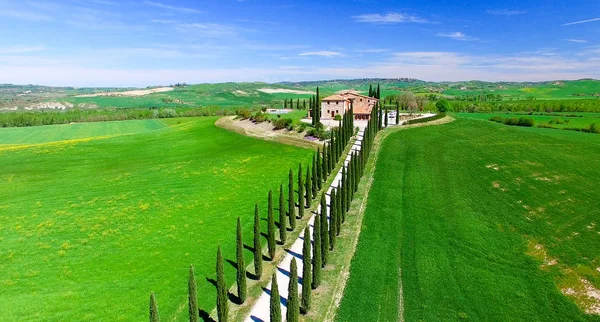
point(363, 110)
point(356, 94)
point(334, 98)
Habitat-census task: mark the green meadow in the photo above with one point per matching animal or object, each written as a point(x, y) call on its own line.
point(557, 120)
point(478, 221)
point(102, 214)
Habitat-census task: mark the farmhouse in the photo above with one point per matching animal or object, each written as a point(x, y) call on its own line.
point(338, 104)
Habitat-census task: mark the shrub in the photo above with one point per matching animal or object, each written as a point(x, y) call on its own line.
point(259, 117)
point(443, 105)
point(338, 117)
point(556, 120)
point(244, 113)
point(168, 113)
point(282, 123)
point(427, 119)
point(301, 128)
point(593, 128)
point(526, 121)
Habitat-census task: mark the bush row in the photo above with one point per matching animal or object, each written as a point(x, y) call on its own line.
point(427, 119)
point(514, 121)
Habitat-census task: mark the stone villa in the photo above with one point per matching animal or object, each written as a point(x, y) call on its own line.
point(338, 104)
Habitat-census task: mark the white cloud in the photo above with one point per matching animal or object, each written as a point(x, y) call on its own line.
point(576, 40)
point(322, 53)
point(505, 12)
point(170, 7)
point(24, 15)
point(457, 35)
point(372, 51)
point(388, 18)
point(581, 21)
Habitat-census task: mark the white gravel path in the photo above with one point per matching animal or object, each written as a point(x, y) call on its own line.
point(260, 311)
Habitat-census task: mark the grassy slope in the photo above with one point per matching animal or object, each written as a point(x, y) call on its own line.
point(461, 243)
point(43, 134)
point(88, 230)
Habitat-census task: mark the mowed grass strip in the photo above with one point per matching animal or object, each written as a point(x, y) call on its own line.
point(456, 214)
point(89, 229)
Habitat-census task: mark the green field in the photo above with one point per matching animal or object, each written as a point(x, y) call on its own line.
point(482, 222)
point(88, 228)
point(557, 120)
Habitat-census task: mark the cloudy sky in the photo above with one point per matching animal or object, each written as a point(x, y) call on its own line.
point(140, 43)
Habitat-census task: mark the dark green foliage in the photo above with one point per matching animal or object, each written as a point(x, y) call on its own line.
point(317, 257)
point(291, 201)
point(282, 216)
point(275, 304)
point(319, 170)
point(521, 121)
point(300, 193)
point(324, 231)
point(241, 265)
point(344, 192)
point(193, 297)
point(293, 305)
point(257, 245)
point(222, 304)
point(306, 272)
point(371, 90)
point(338, 211)
point(308, 188)
point(271, 227)
point(442, 105)
point(386, 118)
point(397, 112)
point(378, 94)
point(427, 119)
point(332, 218)
point(154, 316)
point(314, 177)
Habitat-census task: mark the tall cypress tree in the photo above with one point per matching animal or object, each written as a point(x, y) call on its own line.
point(315, 187)
point(291, 201)
point(378, 92)
point(241, 265)
point(386, 117)
point(306, 272)
point(300, 192)
point(257, 245)
point(271, 228)
point(343, 192)
point(332, 217)
point(317, 257)
point(319, 170)
point(154, 316)
point(293, 305)
point(308, 188)
point(222, 304)
point(324, 164)
point(285, 103)
point(275, 306)
point(370, 90)
point(282, 217)
point(193, 297)
point(338, 212)
point(397, 112)
point(324, 231)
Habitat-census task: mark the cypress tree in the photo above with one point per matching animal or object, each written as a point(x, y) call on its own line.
point(275, 306)
point(304, 104)
point(317, 257)
point(241, 265)
point(257, 245)
point(370, 90)
point(293, 305)
point(343, 193)
point(397, 112)
point(386, 117)
point(300, 193)
point(285, 103)
point(308, 188)
point(314, 178)
point(338, 211)
point(332, 223)
point(298, 104)
point(378, 92)
point(282, 216)
point(154, 316)
point(291, 201)
point(319, 170)
point(271, 227)
point(222, 304)
point(324, 231)
point(306, 271)
point(193, 297)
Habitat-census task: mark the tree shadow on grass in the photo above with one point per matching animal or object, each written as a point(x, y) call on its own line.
point(234, 298)
point(205, 316)
point(232, 263)
point(212, 281)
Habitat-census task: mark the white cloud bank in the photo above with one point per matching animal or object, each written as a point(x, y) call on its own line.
point(389, 18)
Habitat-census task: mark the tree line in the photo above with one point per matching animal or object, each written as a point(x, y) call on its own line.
point(303, 188)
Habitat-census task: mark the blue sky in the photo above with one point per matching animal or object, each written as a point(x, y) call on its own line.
point(140, 43)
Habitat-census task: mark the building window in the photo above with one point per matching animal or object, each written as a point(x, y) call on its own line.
point(327, 102)
point(361, 99)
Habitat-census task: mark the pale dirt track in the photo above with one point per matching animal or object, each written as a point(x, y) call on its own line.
point(137, 92)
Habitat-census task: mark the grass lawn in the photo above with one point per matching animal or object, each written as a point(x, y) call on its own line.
point(565, 120)
point(89, 228)
point(479, 221)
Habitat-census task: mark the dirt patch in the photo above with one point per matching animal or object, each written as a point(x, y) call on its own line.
point(49, 106)
point(283, 91)
point(137, 92)
point(265, 131)
point(493, 166)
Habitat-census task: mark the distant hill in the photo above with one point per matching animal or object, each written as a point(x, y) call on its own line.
point(264, 94)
